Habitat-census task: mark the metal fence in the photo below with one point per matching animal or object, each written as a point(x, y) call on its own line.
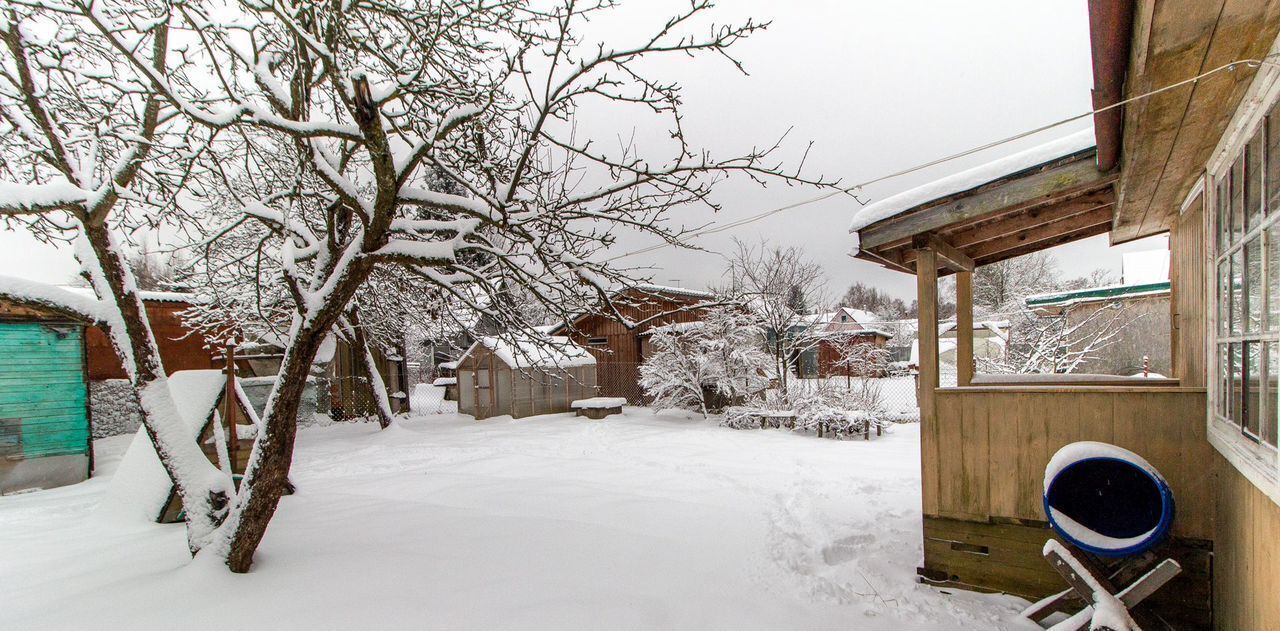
point(896, 395)
point(620, 379)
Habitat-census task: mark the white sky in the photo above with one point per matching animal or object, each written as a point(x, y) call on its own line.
point(877, 86)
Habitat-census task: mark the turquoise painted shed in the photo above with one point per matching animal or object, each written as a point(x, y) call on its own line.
point(44, 418)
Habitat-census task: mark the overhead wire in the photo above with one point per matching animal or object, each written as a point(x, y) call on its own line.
point(1252, 63)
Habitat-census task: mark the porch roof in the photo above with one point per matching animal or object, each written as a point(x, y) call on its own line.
point(1046, 196)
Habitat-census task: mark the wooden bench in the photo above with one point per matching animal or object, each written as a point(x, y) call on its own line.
point(597, 408)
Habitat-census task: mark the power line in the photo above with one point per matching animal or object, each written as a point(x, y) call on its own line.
point(1252, 63)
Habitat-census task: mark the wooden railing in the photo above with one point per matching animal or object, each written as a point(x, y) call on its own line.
point(984, 451)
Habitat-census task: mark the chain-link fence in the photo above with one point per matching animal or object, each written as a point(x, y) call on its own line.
point(425, 398)
point(352, 398)
point(620, 379)
point(895, 395)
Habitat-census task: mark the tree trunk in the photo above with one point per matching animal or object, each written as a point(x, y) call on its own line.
point(266, 476)
point(368, 368)
point(205, 492)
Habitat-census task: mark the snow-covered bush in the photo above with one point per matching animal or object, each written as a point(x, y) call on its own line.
point(708, 365)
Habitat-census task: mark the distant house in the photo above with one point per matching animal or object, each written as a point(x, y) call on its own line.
point(838, 327)
point(524, 377)
point(1144, 294)
point(619, 349)
point(990, 339)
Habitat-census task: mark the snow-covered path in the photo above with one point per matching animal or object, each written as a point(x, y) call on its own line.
point(634, 522)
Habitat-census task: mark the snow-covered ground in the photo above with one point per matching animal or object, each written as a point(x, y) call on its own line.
point(639, 521)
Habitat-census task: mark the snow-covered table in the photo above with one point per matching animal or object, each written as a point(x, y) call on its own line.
point(597, 408)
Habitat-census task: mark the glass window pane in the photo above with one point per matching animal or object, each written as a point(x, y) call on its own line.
point(1253, 182)
point(1273, 159)
point(1252, 379)
point(1237, 199)
point(1237, 291)
point(1253, 284)
point(1222, 207)
point(1224, 382)
point(1234, 398)
point(1269, 421)
point(1273, 276)
point(1224, 297)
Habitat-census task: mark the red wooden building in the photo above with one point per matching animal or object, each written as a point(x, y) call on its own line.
point(620, 349)
point(181, 348)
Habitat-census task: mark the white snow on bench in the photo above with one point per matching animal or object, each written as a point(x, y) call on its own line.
point(598, 403)
point(445, 381)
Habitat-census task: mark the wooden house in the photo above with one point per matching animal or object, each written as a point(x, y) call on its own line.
point(838, 329)
point(524, 377)
point(619, 350)
point(44, 411)
point(1196, 160)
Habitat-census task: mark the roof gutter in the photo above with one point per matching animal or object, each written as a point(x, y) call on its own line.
point(1110, 29)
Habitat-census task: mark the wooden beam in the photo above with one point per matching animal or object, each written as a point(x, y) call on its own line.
point(1048, 184)
point(950, 257)
point(964, 328)
point(1044, 245)
point(1043, 234)
point(987, 226)
point(1019, 236)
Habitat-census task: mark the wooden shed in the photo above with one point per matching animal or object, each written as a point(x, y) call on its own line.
point(44, 414)
point(524, 377)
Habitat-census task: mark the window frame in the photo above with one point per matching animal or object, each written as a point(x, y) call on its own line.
point(1258, 116)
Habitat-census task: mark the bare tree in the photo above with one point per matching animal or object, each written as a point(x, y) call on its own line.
point(772, 282)
point(311, 143)
point(1060, 343)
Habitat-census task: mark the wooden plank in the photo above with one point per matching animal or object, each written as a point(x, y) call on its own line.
point(1053, 181)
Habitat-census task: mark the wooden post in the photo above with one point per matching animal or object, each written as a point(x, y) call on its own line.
point(964, 328)
point(927, 376)
point(927, 322)
point(229, 400)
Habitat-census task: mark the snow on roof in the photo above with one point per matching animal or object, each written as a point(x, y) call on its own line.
point(531, 352)
point(972, 178)
point(1094, 294)
point(676, 291)
point(150, 296)
point(1147, 266)
point(51, 296)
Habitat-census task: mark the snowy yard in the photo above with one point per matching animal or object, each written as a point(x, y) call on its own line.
point(553, 522)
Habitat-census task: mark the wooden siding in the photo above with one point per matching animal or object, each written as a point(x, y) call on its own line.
point(999, 440)
point(618, 360)
point(42, 390)
point(1247, 555)
point(1189, 275)
point(180, 347)
point(1169, 136)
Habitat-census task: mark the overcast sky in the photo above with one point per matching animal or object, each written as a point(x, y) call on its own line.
point(878, 86)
